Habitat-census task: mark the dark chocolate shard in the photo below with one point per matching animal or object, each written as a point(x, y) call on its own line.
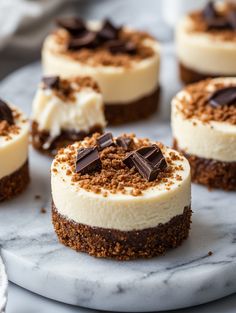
point(74, 25)
point(128, 160)
point(209, 11)
point(232, 19)
point(88, 161)
point(124, 142)
point(149, 161)
point(104, 141)
point(225, 96)
point(87, 40)
point(51, 82)
point(6, 113)
point(108, 31)
point(144, 167)
point(219, 23)
point(120, 46)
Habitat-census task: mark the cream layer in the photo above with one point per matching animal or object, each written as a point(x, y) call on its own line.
point(54, 115)
point(14, 150)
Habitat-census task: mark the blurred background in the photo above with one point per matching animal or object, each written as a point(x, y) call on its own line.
point(25, 23)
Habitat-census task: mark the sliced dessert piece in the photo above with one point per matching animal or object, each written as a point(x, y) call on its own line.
point(206, 42)
point(121, 198)
point(204, 129)
point(14, 169)
point(124, 62)
point(65, 110)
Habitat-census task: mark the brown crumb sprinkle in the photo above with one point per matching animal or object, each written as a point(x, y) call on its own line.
point(198, 105)
point(115, 176)
point(37, 197)
point(101, 55)
point(210, 253)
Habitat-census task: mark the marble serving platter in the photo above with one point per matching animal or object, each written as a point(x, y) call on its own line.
point(201, 270)
point(3, 287)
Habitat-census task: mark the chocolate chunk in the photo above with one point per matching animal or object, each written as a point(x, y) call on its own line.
point(6, 113)
point(88, 161)
point(51, 82)
point(120, 46)
point(105, 141)
point(149, 161)
point(232, 19)
point(87, 40)
point(124, 142)
point(225, 96)
point(219, 23)
point(74, 25)
point(209, 11)
point(128, 160)
point(144, 167)
point(108, 31)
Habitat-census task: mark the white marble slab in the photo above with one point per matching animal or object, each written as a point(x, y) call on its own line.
point(184, 277)
point(3, 287)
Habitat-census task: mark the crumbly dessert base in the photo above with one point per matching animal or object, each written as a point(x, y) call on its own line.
point(142, 108)
point(39, 138)
point(122, 245)
point(189, 76)
point(14, 183)
point(211, 173)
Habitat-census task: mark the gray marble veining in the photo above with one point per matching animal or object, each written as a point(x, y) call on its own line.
point(183, 277)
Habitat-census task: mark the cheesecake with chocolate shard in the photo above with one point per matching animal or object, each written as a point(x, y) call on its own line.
point(124, 62)
point(64, 111)
point(204, 130)
point(206, 42)
point(121, 198)
point(14, 169)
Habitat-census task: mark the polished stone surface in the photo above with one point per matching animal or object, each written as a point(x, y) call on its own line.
point(3, 287)
point(184, 277)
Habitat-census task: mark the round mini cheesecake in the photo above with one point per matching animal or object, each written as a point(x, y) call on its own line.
point(204, 129)
point(206, 43)
point(125, 64)
point(64, 111)
point(121, 198)
point(14, 171)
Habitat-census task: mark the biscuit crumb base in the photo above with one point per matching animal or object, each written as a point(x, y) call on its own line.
point(122, 245)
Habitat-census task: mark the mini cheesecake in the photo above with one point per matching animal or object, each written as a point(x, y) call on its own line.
point(124, 62)
point(206, 43)
point(64, 111)
point(121, 198)
point(14, 170)
point(204, 130)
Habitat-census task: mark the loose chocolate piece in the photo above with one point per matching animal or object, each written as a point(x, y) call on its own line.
point(108, 31)
point(232, 19)
point(209, 11)
point(225, 96)
point(74, 25)
point(105, 141)
point(144, 167)
point(6, 113)
point(51, 82)
point(124, 142)
point(88, 161)
point(87, 40)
